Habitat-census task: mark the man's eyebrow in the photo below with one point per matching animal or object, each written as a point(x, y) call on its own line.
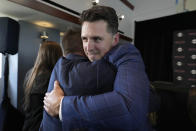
point(83, 36)
point(93, 37)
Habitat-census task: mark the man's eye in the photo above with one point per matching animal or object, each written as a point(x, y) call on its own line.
point(84, 39)
point(97, 39)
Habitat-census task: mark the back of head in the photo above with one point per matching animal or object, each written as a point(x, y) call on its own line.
point(48, 54)
point(72, 42)
point(104, 13)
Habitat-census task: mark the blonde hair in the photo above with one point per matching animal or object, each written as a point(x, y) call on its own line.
point(48, 54)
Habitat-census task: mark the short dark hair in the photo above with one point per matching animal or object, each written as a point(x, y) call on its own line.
point(105, 13)
point(72, 41)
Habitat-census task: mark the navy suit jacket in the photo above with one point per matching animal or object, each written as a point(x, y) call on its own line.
point(125, 108)
point(78, 76)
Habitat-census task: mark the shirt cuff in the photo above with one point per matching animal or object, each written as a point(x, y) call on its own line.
point(60, 110)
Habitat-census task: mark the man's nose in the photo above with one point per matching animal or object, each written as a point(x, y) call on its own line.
point(90, 45)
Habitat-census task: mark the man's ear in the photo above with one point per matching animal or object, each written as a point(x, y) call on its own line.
point(115, 39)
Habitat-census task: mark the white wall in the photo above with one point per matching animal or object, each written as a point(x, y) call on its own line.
point(124, 25)
point(148, 9)
point(1, 78)
point(144, 9)
point(13, 72)
point(13, 79)
point(190, 5)
point(80, 5)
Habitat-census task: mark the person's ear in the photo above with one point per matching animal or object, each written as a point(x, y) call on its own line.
point(115, 39)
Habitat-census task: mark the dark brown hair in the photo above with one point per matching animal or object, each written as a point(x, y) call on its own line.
point(105, 13)
point(48, 54)
point(72, 41)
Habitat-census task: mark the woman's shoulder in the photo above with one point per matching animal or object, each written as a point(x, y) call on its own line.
point(41, 82)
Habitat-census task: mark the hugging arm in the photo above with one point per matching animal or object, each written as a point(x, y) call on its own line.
point(125, 107)
point(48, 121)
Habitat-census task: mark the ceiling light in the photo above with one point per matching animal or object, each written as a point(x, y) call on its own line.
point(95, 2)
point(44, 24)
point(121, 17)
point(44, 35)
point(62, 33)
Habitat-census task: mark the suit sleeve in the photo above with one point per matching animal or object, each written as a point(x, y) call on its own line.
point(50, 123)
point(125, 108)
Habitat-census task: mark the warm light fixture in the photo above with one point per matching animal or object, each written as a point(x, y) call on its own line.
point(95, 2)
point(44, 35)
point(44, 24)
point(121, 17)
point(62, 33)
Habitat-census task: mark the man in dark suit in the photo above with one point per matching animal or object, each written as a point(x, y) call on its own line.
point(124, 108)
point(71, 71)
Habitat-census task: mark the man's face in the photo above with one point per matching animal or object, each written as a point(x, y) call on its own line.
point(97, 41)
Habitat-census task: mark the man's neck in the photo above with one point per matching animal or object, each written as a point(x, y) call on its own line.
point(76, 53)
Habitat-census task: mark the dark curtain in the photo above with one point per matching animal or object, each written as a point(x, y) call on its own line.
point(154, 39)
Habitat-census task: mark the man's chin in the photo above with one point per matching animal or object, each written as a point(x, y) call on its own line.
point(93, 58)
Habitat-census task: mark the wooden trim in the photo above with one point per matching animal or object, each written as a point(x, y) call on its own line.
point(126, 38)
point(62, 7)
point(128, 4)
point(47, 9)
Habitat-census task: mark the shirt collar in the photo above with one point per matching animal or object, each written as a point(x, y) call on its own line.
point(74, 56)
